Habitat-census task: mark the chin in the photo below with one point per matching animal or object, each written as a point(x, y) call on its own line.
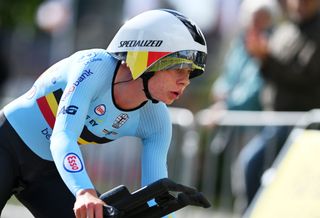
point(168, 102)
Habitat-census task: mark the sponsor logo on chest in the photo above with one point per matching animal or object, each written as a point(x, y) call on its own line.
point(47, 133)
point(100, 109)
point(120, 120)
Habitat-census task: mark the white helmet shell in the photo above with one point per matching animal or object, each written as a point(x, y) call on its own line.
point(153, 35)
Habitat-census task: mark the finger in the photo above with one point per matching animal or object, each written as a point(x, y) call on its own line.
point(90, 211)
point(77, 212)
point(83, 212)
point(98, 211)
point(80, 212)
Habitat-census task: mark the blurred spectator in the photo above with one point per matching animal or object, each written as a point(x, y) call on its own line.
point(240, 84)
point(290, 61)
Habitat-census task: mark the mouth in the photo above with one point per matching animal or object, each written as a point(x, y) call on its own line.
point(176, 94)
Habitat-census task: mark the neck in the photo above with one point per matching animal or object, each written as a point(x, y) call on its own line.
point(128, 93)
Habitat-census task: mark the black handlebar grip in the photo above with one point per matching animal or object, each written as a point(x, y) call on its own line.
point(110, 212)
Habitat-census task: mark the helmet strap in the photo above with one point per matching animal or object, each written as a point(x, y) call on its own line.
point(145, 78)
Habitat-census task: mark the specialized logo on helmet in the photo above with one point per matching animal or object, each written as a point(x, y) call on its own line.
point(72, 163)
point(140, 43)
point(193, 29)
point(120, 120)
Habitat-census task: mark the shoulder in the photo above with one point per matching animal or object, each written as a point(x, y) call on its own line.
point(97, 61)
point(155, 116)
point(155, 123)
point(90, 56)
point(151, 110)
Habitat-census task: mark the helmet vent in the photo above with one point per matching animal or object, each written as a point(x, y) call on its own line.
point(193, 29)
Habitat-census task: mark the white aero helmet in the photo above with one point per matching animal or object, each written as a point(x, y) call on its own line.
point(160, 40)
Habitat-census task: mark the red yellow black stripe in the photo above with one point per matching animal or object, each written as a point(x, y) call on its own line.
point(48, 106)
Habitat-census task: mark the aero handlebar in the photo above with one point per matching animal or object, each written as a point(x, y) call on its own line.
point(121, 203)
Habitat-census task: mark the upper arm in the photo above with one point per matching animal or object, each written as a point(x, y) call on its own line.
point(155, 148)
point(83, 83)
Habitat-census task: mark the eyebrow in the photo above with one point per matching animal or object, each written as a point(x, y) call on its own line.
point(184, 70)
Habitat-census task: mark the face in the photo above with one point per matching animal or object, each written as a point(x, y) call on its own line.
point(168, 85)
point(261, 20)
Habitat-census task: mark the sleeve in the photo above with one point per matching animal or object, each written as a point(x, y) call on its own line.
point(155, 148)
point(85, 80)
point(154, 158)
point(294, 58)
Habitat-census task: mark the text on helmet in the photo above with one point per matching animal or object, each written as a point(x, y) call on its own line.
point(140, 43)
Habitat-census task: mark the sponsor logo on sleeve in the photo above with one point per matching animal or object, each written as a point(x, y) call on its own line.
point(72, 110)
point(72, 163)
point(83, 76)
point(80, 79)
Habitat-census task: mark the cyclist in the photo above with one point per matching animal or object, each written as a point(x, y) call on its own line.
point(96, 96)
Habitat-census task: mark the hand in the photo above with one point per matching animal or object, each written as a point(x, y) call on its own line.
point(88, 205)
point(256, 44)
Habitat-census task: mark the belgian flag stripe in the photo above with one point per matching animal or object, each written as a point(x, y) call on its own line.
point(46, 111)
point(48, 106)
point(154, 56)
point(52, 102)
point(58, 94)
point(88, 137)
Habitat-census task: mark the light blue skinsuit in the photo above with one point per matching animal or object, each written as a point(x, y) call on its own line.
point(72, 103)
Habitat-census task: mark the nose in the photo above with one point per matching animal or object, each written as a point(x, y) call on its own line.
point(184, 81)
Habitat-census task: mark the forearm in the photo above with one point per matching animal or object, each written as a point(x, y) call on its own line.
point(69, 162)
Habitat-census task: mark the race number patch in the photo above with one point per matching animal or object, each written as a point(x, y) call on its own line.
point(72, 163)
